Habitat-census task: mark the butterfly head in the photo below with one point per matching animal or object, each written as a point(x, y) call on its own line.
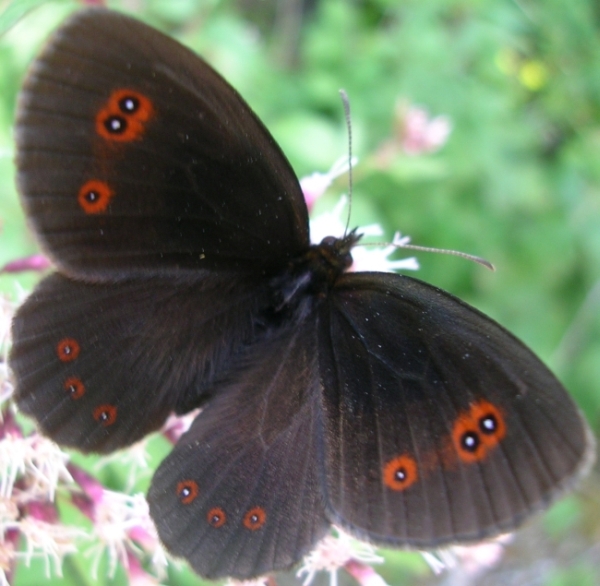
point(313, 274)
point(335, 254)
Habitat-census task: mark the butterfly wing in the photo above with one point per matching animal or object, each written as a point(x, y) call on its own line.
point(141, 168)
point(239, 495)
point(439, 425)
point(135, 156)
point(101, 365)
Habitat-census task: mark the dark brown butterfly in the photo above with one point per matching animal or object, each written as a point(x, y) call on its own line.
point(185, 278)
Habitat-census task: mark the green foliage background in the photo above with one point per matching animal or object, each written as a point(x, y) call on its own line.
point(517, 183)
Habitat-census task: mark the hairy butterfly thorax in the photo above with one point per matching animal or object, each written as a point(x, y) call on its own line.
point(372, 401)
point(313, 274)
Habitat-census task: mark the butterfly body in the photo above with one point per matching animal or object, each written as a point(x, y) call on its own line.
point(185, 278)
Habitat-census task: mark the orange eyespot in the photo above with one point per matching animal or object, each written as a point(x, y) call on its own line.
point(477, 431)
point(67, 350)
point(400, 473)
point(74, 387)
point(187, 491)
point(465, 437)
point(255, 518)
point(94, 196)
point(490, 422)
point(124, 116)
point(105, 415)
point(216, 517)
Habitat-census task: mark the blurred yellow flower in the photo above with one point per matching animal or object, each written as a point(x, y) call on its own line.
point(533, 75)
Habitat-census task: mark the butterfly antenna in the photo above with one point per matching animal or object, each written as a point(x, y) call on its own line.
point(346, 103)
point(471, 257)
point(403, 242)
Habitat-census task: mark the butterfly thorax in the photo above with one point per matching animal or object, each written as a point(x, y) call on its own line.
point(309, 277)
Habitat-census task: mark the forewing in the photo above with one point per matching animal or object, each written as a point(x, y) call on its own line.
point(440, 426)
point(240, 496)
point(100, 366)
point(135, 156)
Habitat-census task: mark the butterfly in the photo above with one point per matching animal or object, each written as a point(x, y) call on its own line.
point(185, 278)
